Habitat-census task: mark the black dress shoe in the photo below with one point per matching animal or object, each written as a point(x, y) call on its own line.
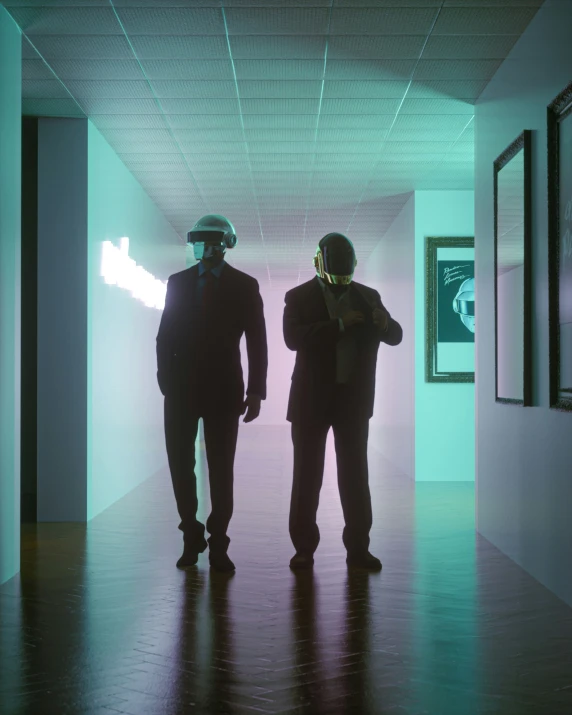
point(221, 562)
point(189, 558)
point(364, 561)
point(298, 562)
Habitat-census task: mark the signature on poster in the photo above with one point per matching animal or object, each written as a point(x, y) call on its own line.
point(455, 274)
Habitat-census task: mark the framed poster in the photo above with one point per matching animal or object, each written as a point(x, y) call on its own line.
point(559, 127)
point(450, 309)
point(513, 229)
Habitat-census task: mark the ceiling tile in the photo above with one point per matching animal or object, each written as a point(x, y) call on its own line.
point(347, 90)
point(380, 46)
point(479, 47)
point(97, 70)
point(468, 90)
point(201, 89)
point(51, 108)
point(83, 47)
point(382, 21)
point(483, 20)
point(456, 69)
point(277, 20)
point(369, 69)
point(279, 69)
point(278, 47)
point(123, 89)
point(66, 20)
point(188, 70)
point(172, 21)
point(167, 47)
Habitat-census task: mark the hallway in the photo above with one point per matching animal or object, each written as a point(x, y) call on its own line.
point(101, 622)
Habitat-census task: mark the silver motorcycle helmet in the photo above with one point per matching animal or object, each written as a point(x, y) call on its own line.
point(211, 235)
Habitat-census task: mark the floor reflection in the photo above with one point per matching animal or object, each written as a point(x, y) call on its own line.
point(100, 621)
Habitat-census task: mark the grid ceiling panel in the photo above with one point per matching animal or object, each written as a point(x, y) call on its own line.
point(327, 132)
point(172, 47)
point(474, 47)
point(338, 89)
point(188, 70)
point(172, 21)
point(277, 20)
point(97, 70)
point(279, 69)
point(83, 47)
point(380, 46)
point(369, 69)
point(278, 47)
point(382, 21)
point(483, 21)
point(66, 20)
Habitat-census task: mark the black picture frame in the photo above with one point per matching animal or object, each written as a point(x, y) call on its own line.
point(522, 143)
point(432, 306)
point(558, 111)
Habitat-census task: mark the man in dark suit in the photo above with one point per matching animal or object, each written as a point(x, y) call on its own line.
point(207, 309)
point(335, 326)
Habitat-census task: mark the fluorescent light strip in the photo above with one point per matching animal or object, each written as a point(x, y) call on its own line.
point(310, 186)
point(254, 194)
point(117, 268)
point(396, 114)
point(163, 113)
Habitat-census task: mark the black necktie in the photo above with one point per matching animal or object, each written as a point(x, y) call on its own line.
point(208, 293)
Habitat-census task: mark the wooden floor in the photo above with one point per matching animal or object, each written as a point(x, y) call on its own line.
point(101, 621)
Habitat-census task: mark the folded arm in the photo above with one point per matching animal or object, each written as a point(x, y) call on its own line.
point(298, 335)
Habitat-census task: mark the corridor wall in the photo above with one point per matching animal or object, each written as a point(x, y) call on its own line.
point(524, 455)
point(100, 415)
point(10, 242)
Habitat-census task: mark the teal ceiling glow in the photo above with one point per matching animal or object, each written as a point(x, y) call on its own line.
point(291, 117)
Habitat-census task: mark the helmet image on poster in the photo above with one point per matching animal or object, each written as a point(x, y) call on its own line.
point(464, 303)
point(211, 235)
point(335, 259)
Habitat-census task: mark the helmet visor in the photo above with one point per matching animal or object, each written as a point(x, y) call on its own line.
point(339, 259)
point(216, 237)
point(464, 307)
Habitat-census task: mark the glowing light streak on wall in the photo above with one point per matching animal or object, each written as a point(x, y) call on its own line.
point(117, 268)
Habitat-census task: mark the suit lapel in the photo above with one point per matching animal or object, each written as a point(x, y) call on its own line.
point(316, 302)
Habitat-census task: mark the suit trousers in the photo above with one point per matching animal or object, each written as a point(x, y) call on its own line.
point(309, 440)
point(221, 431)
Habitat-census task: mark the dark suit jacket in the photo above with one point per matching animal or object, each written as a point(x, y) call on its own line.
point(309, 331)
point(194, 356)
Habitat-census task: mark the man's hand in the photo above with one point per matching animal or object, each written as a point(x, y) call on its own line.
point(381, 318)
point(252, 407)
point(352, 317)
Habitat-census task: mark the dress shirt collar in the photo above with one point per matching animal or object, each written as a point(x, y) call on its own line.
point(216, 271)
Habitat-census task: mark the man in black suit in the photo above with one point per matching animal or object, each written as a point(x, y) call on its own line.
point(335, 326)
point(207, 309)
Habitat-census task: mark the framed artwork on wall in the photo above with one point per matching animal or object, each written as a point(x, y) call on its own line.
point(512, 272)
point(449, 309)
point(559, 120)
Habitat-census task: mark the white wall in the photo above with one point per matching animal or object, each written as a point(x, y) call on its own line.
point(10, 242)
point(444, 413)
point(62, 319)
point(390, 270)
point(125, 411)
point(510, 333)
point(100, 411)
point(524, 455)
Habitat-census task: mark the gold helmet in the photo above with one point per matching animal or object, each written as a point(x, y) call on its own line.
point(335, 259)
